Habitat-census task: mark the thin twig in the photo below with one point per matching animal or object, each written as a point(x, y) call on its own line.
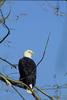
point(5, 27)
point(43, 53)
point(44, 50)
point(14, 66)
point(50, 97)
point(18, 92)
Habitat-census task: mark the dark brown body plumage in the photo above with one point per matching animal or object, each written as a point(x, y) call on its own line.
point(27, 71)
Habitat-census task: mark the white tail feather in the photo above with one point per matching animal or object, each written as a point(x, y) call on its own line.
point(28, 91)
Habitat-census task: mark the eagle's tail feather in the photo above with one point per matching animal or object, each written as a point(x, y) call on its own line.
point(28, 91)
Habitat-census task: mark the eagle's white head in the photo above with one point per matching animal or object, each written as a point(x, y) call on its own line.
point(28, 53)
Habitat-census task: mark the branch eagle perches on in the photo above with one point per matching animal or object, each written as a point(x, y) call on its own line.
point(16, 83)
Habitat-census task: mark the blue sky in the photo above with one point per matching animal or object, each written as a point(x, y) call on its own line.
point(31, 32)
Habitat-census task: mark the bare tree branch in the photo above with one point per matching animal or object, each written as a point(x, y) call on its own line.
point(1, 19)
point(18, 84)
point(5, 27)
point(14, 66)
point(44, 50)
point(52, 98)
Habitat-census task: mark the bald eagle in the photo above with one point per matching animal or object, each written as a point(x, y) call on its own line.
point(27, 70)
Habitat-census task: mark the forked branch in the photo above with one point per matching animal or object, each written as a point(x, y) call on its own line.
point(8, 30)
